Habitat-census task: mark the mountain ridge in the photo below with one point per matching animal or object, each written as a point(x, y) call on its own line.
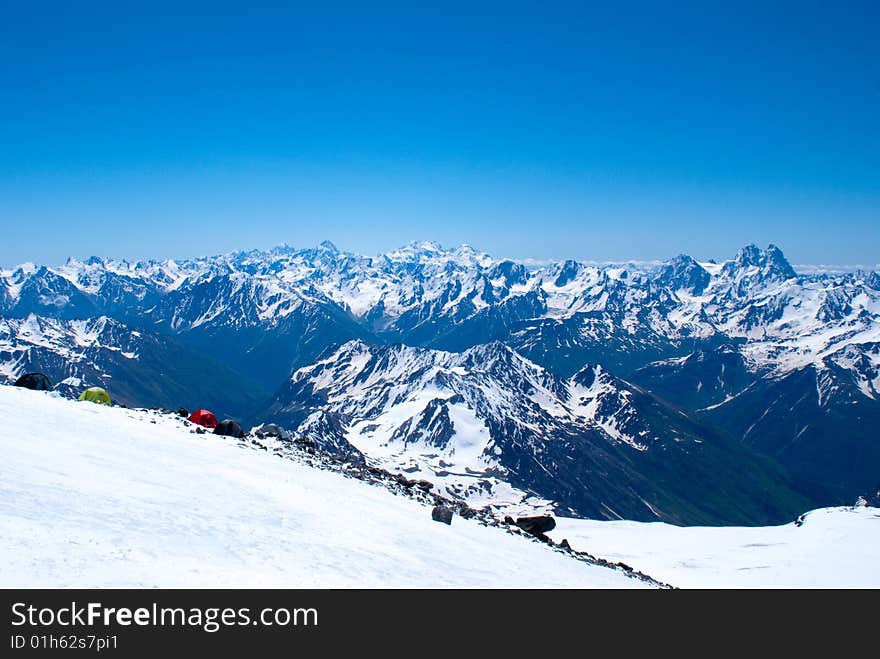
point(692, 333)
point(492, 428)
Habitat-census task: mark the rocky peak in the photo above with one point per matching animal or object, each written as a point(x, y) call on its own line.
point(683, 272)
point(771, 262)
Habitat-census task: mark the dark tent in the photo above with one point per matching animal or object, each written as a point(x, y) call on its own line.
point(229, 428)
point(204, 418)
point(35, 381)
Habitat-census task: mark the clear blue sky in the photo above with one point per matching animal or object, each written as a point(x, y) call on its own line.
point(524, 129)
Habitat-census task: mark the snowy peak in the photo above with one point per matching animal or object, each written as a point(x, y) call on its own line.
point(769, 264)
point(419, 250)
point(566, 273)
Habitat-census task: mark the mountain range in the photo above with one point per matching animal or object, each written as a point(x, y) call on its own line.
point(687, 391)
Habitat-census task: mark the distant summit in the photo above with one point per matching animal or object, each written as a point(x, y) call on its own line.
point(771, 263)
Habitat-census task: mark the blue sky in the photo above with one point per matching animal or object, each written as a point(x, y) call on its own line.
point(638, 131)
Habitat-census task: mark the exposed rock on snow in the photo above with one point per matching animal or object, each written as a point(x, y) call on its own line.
point(442, 514)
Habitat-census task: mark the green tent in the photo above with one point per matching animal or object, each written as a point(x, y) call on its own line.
point(96, 395)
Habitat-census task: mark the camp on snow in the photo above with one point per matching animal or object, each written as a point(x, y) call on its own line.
point(204, 418)
point(35, 381)
point(229, 428)
point(96, 395)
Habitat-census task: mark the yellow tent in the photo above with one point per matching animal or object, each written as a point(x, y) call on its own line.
point(96, 395)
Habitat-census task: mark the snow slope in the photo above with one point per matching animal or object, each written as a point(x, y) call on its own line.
point(92, 496)
point(833, 548)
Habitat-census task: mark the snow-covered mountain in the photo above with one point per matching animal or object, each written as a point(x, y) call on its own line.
point(425, 295)
point(492, 428)
point(819, 418)
point(722, 340)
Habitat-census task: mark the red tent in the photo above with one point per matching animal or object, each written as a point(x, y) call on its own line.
point(204, 418)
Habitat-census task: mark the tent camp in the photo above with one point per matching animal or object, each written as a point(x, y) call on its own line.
point(204, 418)
point(35, 381)
point(96, 395)
point(229, 428)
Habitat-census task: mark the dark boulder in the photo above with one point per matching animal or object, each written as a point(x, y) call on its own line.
point(442, 514)
point(229, 428)
point(537, 525)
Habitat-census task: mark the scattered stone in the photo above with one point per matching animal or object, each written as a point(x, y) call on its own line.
point(403, 480)
point(442, 514)
point(564, 544)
